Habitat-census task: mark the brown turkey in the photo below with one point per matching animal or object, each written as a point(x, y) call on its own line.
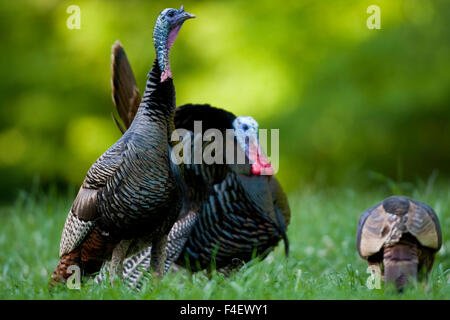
point(235, 211)
point(131, 196)
point(400, 237)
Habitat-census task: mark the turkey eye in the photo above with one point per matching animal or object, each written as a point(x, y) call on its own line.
point(170, 14)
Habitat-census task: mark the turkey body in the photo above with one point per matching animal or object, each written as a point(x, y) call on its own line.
point(399, 238)
point(133, 193)
point(140, 193)
point(130, 195)
point(244, 216)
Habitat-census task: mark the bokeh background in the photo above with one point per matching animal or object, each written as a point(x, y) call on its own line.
point(354, 106)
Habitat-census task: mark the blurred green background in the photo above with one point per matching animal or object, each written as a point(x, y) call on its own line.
point(354, 106)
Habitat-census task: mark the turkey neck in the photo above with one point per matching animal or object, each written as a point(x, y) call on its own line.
point(158, 101)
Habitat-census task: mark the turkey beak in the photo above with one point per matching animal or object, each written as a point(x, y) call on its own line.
point(187, 15)
point(184, 15)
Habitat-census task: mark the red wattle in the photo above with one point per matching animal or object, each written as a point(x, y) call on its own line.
point(260, 163)
point(166, 74)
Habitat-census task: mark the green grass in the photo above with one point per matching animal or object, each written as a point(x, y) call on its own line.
point(323, 263)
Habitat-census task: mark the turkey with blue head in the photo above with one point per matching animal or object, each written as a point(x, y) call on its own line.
point(131, 195)
point(234, 212)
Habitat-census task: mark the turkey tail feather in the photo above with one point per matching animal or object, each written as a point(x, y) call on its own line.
point(61, 272)
point(125, 93)
point(118, 124)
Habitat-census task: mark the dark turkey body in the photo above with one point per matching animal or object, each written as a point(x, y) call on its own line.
point(234, 226)
point(138, 198)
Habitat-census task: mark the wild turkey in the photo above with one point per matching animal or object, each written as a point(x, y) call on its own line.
point(131, 197)
point(401, 236)
point(234, 213)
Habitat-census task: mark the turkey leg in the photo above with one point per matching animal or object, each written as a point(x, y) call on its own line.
point(158, 256)
point(118, 255)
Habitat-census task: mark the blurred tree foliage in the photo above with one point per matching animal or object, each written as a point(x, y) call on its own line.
point(348, 100)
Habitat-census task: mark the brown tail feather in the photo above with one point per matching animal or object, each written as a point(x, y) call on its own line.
point(96, 248)
point(60, 274)
point(125, 93)
point(118, 124)
point(400, 263)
